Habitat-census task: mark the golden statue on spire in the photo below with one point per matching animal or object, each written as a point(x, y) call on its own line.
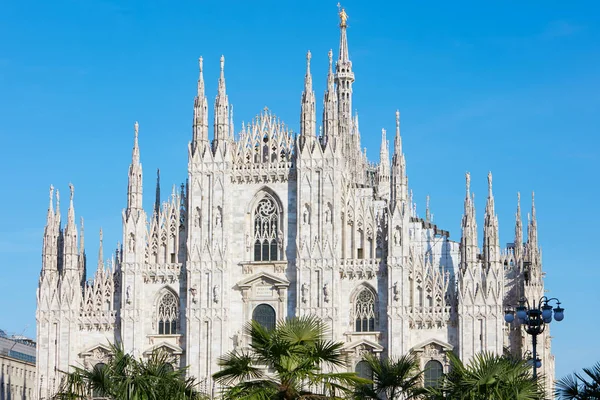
point(343, 16)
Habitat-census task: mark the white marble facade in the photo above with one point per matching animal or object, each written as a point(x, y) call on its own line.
point(271, 225)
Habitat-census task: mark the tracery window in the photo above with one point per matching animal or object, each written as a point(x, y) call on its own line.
point(264, 314)
point(364, 311)
point(168, 314)
point(266, 230)
point(433, 373)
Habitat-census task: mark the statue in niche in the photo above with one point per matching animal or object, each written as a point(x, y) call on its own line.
point(197, 217)
point(304, 291)
point(396, 291)
point(218, 217)
point(216, 294)
point(131, 242)
point(193, 292)
point(306, 215)
point(248, 242)
point(128, 294)
point(237, 339)
point(397, 237)
point(326, 293)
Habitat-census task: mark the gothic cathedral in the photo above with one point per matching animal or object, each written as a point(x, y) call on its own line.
point(272, 225)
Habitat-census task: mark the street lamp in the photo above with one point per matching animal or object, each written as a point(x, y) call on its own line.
point(534, 318)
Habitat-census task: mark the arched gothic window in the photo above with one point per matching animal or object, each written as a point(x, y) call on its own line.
point(364, 311)
point(433, 373)
point(168, 314)
point(96, 393)
point(266, 230)
point(264, 314)
point(363, 370)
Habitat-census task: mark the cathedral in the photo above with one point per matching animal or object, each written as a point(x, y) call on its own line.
point(273, 224)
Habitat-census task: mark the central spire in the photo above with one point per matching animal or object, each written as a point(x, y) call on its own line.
point(343, 57)
point(344, 77)
point(222, 115)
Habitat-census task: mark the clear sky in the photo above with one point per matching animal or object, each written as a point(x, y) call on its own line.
point(508, 86)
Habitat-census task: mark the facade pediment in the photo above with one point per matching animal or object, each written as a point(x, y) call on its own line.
point(263, 278)
point(96, 350)
point(165, 346)
point(363, 346)
point(433, 343)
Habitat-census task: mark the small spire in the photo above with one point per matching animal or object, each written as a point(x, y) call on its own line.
point(101, 252)
point(50, 206)
point(222, 77)
point(71, 215)
point(57, 214)
point(427, 212)
point(81, 240)
point(398, 139)
point(157, 200)
point(490, 184)
point(135, 157)
point(200, 70)
point(468, 183)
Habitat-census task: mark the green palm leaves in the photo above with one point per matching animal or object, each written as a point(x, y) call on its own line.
point(392, 378)
point(126, 378)
point(579, 386)
point(488, 377)
point(287, 362)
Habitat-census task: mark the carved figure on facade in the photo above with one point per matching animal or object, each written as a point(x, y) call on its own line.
point(216, 294)
point(326, 293)
point(304, 291)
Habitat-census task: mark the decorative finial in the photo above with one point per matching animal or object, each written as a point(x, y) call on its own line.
point(397, 119)
point(343, 16)
point(51, 194)
point(330, 55)
point(308, 57)
point(200, 62)
point(490, 182)
point(222, 64)
point(532, 197)
point(136, 128)
point(468, 177)
point(519, 198)
point(72, 189)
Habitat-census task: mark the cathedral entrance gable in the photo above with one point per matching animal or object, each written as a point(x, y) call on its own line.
point(96, 354)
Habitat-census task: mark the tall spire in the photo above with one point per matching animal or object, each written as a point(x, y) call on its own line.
point(330, 106)
point(308, 118)
point(134, 189)
point(82, 258)
point(200, 126)
point(49, 252)
point(469, 248)
point(70, 241)
point(399, 179)
point(532, 238)
point(221, 123)
point(491, 243)
point(343, 57)
point(518, 230)
point(344, 78)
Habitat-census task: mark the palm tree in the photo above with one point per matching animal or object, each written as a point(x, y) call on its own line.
point(580, 387)
point(396, 378)
point(488, 377)
point(125, 378)
point(286, 363)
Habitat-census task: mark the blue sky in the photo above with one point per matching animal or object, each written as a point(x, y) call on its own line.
point(507, 86)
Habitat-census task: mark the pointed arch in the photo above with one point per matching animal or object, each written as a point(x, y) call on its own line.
point(167, 312)
point(267, 225)
point(365, 306)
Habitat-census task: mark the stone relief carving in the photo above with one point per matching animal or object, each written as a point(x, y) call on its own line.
point(304, 291)
point(326, 293)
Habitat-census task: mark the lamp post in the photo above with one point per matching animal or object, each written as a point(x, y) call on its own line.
point(534, 318)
